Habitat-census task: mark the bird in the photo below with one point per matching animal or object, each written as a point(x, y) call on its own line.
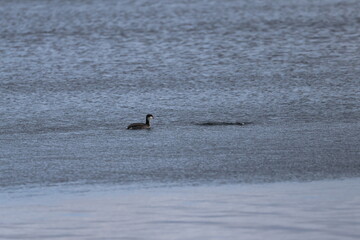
point(146, 125)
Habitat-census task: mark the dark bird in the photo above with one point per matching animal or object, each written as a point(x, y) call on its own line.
point(146, 125)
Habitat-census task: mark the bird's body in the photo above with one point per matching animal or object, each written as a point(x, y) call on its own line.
point(135, 126)
point(146, 125)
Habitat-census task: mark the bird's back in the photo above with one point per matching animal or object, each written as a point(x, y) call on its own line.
point(138, 126)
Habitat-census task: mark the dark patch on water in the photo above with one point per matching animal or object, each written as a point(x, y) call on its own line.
point(223, 123)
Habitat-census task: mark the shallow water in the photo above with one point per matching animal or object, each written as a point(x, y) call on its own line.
point(314, 210)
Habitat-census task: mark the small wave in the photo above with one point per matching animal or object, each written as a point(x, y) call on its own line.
point(223, 123)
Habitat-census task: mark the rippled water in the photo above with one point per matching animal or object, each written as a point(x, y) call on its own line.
point(249, 98)
point(73, 75)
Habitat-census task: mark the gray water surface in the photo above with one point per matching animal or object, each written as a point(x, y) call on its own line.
point(73, 75)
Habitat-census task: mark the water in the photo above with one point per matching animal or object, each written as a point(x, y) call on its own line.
point(184, 154)
point(73, 75)
point(316, 210)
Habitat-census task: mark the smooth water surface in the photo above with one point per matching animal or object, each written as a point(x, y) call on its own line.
point(327, 210)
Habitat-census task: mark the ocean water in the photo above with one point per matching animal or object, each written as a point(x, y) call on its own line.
point(74, 75)
point(243, 92)
point(328, 210)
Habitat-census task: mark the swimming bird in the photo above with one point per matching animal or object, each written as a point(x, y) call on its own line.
point(146, 125)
